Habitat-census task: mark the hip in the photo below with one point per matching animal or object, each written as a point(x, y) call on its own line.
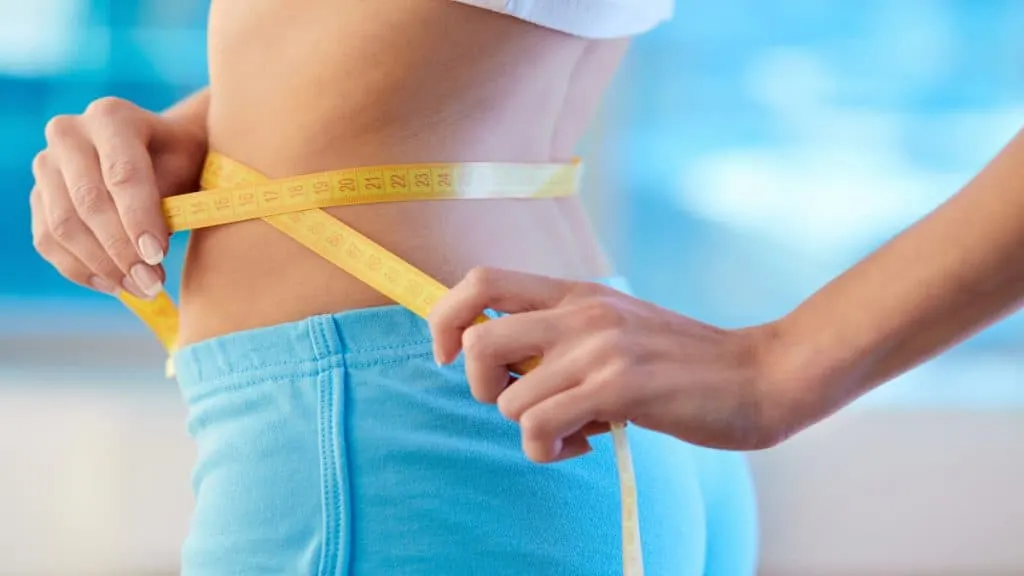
point(335, 445)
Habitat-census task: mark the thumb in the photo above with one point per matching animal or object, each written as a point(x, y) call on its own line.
point(177, 172)
point(178, 153)
point(488, 289)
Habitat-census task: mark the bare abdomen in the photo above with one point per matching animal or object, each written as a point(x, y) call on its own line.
point(313, 85)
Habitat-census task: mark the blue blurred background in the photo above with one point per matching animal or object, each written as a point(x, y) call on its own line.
point(751, 150)
point(758, 148)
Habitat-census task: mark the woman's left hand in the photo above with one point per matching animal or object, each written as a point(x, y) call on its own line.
point(607, 357)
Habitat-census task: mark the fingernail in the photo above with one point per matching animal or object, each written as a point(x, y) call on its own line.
point(440, 358)
point(133, 288)
point(572, 447)
point(102, 285)
point(146, 279)
point(150, 250)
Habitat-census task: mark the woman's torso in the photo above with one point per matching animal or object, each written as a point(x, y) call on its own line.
point(313, 85)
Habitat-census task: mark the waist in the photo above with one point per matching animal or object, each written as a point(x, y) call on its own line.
point(380, 334)
point(249, 275)
point(499, 90)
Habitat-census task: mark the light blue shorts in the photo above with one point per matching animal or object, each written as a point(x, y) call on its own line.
point(336, 446)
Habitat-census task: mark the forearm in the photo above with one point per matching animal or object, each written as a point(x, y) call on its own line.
point(940, 281)
point(191, 111)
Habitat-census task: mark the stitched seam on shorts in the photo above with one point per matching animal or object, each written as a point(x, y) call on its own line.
point(328, 480)
point(389, 361)
point(344, 485)
point(309, 369)
point(402, 346)
point(314, 363)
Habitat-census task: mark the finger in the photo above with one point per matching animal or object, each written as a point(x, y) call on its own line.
point(549, 378)
point(55, 253)
point(129, 176)
point(57, 227)
point(545, 426)
point(488, 288)
point(595, 428)
point(572, 446)
point(491, 347)
point(79, 165)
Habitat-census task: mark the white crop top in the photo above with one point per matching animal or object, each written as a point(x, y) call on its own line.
point(586, 18)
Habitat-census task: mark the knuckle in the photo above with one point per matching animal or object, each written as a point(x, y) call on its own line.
point(615, 371)
point(612, 344)
point(118, 246)
point(602, 313)
point(120, 172)
point(534, 426)
point(474, 341)
point(588, 290)
point(64, 225)
point(135, 214)
point(480, 279)
point(107, 106)
point(58, 127)
point(88, 197)
point(40, 162)
point(105, 266)
point(43, 243)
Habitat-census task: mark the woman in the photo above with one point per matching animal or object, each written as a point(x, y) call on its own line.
point(328, 438)
point(946, 277)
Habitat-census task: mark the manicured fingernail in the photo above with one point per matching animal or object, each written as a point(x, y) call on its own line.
point(150, 249)
point(146, 279)
point(102, 285)
point(133, 288)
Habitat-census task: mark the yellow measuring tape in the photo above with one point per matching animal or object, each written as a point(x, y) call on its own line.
point(233, 192)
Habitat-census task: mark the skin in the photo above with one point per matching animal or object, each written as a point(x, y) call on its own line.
point(437, 96)
point(342, 84)
point(88, 218)
point(609, 357)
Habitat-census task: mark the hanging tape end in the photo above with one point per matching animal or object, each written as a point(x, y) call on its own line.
point(169, 372)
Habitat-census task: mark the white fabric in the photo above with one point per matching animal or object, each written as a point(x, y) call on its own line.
point(587, 18)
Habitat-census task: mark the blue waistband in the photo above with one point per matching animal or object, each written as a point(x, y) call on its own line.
point(377, 334)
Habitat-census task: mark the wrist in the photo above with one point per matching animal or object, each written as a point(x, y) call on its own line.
point(801, 378)
point(788, 382)
point(762, 409)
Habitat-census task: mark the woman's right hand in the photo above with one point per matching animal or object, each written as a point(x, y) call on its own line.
point(96, 213)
